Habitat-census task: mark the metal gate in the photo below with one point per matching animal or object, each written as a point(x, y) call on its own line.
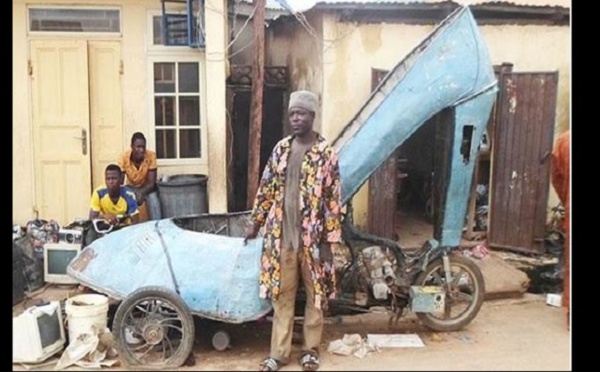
point(521, 154)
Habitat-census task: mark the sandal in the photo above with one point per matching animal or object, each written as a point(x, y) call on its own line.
point(309, 361)
point(270, 364)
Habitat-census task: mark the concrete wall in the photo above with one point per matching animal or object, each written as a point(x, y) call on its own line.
point(290, 44)
point(22, 139)
point(136, 54)
point(216, 121)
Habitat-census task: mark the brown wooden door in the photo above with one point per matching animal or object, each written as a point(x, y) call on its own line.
point(382, 187)
point(382, 200)
point(521, 148)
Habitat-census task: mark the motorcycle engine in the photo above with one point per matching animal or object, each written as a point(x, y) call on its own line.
point(380, 271)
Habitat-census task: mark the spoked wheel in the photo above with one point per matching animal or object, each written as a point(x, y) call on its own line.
point(464, 297)
point(153, 328)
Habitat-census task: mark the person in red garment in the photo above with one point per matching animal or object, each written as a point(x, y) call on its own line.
point(561, 178)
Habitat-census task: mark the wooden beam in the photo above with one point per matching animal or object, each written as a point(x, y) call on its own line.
point(256, 102)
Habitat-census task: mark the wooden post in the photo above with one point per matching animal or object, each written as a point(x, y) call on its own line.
point(256, 102)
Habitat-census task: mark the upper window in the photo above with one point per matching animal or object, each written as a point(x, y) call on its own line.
point(177, 36)
point(181, 24)
point(177, 110)
point(74, 20)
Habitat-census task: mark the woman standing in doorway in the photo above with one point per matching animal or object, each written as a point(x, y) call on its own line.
point(140, 169)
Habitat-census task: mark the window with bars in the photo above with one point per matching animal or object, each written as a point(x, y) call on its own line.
point(177, 108)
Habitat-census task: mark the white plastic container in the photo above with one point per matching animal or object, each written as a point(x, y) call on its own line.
point(84, 312)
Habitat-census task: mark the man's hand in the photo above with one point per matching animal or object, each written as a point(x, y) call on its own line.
point(140, 196)
point(111, 218)
point(250, 233)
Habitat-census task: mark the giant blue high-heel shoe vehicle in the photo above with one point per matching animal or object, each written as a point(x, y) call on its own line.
point(169, 270)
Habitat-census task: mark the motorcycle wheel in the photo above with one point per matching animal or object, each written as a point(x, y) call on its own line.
point(154, 329)
point(463, 299)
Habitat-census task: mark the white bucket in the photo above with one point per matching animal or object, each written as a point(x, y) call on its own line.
point(86, 310)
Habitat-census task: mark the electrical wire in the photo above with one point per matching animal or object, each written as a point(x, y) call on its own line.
point(243, 48)
point(250, 16)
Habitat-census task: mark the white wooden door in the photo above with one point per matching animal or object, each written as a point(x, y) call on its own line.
point(77, 122)
point(61, 126)
point(106, 114)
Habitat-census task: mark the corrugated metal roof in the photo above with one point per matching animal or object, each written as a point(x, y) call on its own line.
point(562, 3)
point(273, 4)
point(302, 5)
point(378, 1)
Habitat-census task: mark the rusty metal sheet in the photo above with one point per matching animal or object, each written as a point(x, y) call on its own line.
point(522, 144)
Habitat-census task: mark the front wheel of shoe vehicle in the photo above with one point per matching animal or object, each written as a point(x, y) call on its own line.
point(463, 297)
point(153, 328)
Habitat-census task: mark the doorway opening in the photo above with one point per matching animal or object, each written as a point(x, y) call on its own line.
point(272, 132)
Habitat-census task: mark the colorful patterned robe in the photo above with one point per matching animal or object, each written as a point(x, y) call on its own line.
point(319, 205)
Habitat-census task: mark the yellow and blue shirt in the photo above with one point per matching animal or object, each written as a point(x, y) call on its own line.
point(100, 202)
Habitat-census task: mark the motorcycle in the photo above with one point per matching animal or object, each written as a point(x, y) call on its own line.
point(444, 288)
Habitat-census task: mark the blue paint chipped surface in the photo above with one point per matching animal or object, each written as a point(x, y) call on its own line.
point(217, 275)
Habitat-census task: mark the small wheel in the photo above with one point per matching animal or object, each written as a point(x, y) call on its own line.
point(464, 298)
point(153, 328)
point(221, 340)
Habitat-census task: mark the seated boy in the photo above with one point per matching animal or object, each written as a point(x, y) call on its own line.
point(111, 200)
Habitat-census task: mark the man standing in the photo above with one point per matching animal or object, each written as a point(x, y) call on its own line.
point(561, 178)
point(298, 202)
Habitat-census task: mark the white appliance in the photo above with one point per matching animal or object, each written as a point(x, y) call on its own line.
point(57, 257)
point(38, 333)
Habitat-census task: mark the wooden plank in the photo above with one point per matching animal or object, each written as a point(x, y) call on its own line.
point(383, 186)
point(382, 200)
point(529, 188)
point(502, 150)
point(515, 231)
point(546, 136)
point(256, 102)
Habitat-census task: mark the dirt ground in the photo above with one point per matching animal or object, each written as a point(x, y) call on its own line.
point(509, 334)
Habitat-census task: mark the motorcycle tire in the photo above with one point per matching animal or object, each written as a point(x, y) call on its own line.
point(462, 301)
